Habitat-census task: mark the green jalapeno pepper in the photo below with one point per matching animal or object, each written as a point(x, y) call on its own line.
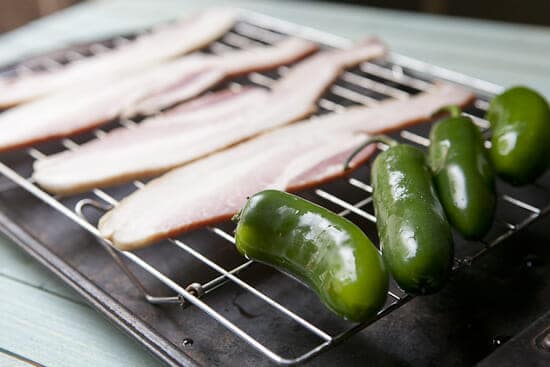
point(520, 121)
point(322, 249)
point(415, 236)
point(463, 175)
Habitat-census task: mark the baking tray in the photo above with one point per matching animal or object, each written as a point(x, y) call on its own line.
point(434, 329)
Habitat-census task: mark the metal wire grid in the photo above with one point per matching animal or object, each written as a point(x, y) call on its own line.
point(394, 78)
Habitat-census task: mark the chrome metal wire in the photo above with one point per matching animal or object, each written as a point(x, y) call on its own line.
point(393, 78)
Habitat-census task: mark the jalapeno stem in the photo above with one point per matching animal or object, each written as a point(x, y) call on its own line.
point(374, 139)
point(237, 217)
point(454, 111)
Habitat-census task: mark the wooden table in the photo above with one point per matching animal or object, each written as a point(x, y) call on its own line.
point(43, 321)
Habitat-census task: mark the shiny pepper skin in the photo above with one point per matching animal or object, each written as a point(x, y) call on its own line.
point(520, 123)
point(463, 175)
point(322, 249)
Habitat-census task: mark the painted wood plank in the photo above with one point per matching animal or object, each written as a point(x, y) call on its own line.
point(8, 359)
point(15, 264)
point(54, 331)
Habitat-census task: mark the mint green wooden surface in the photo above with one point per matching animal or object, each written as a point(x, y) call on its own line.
point(46, 322)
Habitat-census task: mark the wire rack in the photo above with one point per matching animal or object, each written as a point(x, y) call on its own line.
point(396, 77)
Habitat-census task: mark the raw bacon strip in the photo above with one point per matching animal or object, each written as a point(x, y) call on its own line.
point(227, 65)
point(290, 158)
point(145, 150)
point(190, 132)
point(74, 111)
point(214, 107)
point(163, 44)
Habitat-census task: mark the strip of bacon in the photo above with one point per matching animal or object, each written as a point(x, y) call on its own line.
point(227, 65)
point(198, 128)
point(74, 111)
point(165, 43)
point(291, 158)
point(153, 147)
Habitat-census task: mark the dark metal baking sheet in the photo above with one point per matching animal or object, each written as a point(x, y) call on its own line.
point(530, 348)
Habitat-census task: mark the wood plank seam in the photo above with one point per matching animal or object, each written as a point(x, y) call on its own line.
point(20, 358)
point(43, 289)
